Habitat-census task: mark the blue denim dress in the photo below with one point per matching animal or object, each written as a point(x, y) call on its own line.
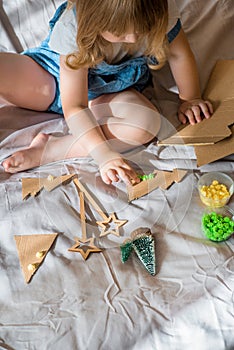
point(104, 78)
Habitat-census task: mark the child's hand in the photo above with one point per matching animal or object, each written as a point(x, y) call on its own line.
point(194, 111)
point(118, 169)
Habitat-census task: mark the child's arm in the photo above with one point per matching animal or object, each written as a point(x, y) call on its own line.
point(184, 70)
point(83, 125)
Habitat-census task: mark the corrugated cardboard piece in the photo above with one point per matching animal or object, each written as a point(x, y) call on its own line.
point(32, 250)
point(32, 186)
point(162, 179)
point(213, 138)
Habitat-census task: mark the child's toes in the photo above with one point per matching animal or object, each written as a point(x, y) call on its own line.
point(12, 163)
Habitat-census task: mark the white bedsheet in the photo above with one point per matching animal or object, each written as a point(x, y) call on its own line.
point(102, 303)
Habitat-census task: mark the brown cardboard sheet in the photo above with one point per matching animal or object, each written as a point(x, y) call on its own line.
point(212, 138)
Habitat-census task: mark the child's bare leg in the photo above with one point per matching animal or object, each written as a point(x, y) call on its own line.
point(42, 150)
point(127, 118)
point(130, 120)
point(25, 83)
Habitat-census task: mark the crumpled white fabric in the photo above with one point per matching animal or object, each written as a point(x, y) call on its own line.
point(102, 303)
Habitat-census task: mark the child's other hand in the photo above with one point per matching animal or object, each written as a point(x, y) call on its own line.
point(194, 111)
point(118, 169)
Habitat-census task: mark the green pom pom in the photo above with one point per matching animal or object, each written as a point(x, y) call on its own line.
point(146, 177)
point(217, 227)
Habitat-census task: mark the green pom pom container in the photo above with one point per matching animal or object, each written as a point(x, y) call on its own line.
point(218, 224)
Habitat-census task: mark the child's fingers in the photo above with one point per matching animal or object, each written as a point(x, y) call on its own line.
point(207, 109)
point(132, 176)
point(190, 116)
point(196, 114)
point(112, 175)
point(182, 118)
point(118, 173)
point(210, 106)
point(105, 178)
point(194, 111)
point(128, 176)
point(118, 169)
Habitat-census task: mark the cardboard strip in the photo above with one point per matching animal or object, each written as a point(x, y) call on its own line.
point(82, 215)
point(90, 198)
point(83, 245)
point(108, 221)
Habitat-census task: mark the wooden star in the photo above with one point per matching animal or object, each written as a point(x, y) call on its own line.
point(108, 223)
point(84, 246)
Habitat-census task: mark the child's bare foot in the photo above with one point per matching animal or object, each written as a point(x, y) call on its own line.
point(28, 158)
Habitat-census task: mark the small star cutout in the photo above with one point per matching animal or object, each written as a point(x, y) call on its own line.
point(111, 225)
point(84, 246)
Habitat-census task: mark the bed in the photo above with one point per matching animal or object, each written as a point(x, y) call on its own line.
point(102, 303)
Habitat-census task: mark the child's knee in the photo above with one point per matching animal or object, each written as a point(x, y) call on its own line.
point(146, 120)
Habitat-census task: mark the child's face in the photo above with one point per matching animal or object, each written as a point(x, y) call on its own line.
point(130, 37)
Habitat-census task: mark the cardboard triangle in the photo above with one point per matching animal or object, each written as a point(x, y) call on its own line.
point(32, 250)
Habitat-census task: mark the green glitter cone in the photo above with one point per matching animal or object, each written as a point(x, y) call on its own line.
point(144, 247)
point(126, 250)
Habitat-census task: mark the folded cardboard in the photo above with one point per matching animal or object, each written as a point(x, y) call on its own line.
point(212, 138)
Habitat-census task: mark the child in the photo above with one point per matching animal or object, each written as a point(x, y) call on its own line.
point(92, 68)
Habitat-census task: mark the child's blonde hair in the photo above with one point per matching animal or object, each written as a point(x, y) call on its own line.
point(149, 18)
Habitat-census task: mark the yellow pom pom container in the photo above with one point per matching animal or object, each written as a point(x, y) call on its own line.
point(215, 189)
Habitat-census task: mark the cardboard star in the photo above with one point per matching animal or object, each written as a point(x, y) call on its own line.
point(32, 250)
point(84, 246)
point(32, 186)
point(107, 224)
